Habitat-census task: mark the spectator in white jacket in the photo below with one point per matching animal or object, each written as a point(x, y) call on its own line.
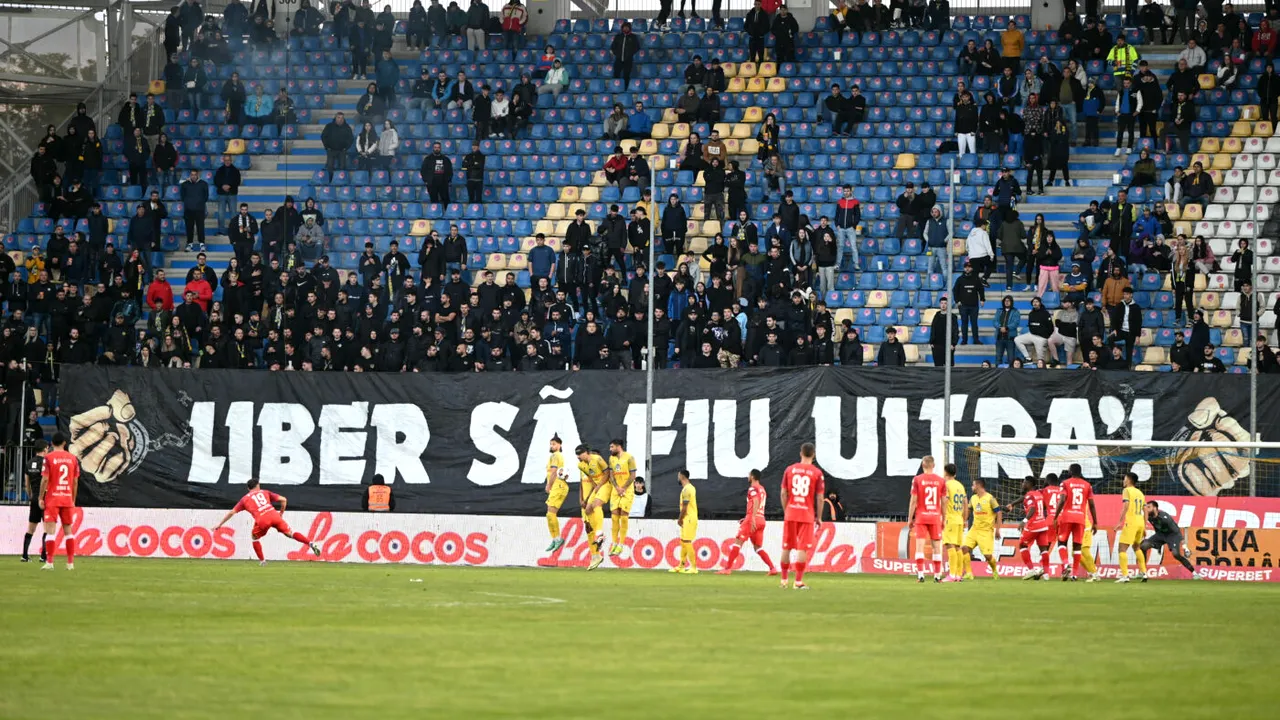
point(1195, 56)
point(556, 81)
point(981, 256)
point(367, 147)
point(388, 144)
point(498, 115)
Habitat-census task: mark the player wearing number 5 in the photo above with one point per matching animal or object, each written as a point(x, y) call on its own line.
point(957, 508)
point(1075, 512)
point(59, 484)
point(688, 523)
point(803, 486)
point(261, 505)
point(924, 514)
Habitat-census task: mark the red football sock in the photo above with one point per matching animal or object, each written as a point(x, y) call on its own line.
point(1062, 555)
point(937, 566)
point(786, 570)
point(1044, 559)
point(1025, 555)
point(734, 552)
point(257, 550)
point(49, 545)
point(71, 550)
point(765, 557)
point(301, 538)
point(800, 567)
point(919, 563)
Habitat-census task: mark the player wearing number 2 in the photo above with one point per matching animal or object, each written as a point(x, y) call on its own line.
point(1074, 514)
point(59, 483)
point(261, 505)
point(924, 515)
point(803, 486)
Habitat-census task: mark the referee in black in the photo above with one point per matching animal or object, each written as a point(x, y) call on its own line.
point(32, 474)
point(1167, 534)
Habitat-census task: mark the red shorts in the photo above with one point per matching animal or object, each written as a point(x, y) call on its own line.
point(931, 529)
point(797, 535)
point(268, 521)
point(1060, 532)
point(1039, 538)
point(56, 513)
point(1074, 530)
point(745, 534)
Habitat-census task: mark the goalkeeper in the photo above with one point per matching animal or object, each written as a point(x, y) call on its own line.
point(1167, 534)
point(557, 491)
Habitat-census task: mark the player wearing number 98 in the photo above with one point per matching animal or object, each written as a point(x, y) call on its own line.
point(803, 485)
point(957, 507)
point(261, 505)
point(59, 484)
point(924, 514)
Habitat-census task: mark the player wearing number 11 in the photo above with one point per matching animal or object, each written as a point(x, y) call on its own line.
point(261, 505)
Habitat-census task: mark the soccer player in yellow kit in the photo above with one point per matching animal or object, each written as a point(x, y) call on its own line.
point(1132, 528)
point(987, 516)
point(557, 491)
point(593, 493)
point(954, 510)
point(622, 476)
point(688, 523)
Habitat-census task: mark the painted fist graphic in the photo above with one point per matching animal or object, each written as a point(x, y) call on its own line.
point(1208, 470)
point(108, 439)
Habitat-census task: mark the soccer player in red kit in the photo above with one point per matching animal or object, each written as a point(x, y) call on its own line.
point(1077, 498)
point(802, 486)
point(59, 483)
point(924, 515)
point(751, 528)
point(261, 505)
point(1035, 529)
point(1052, 492)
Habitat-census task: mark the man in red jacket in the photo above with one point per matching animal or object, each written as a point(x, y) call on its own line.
point(160, 293)
point(203, 291)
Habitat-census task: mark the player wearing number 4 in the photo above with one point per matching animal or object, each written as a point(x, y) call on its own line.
point(557, 491)
point(803, 486)
point(688, 523)
point(261, 505)
point(1132, 528)
point(957, 508)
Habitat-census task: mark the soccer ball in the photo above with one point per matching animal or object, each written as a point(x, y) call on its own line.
point(564, 475)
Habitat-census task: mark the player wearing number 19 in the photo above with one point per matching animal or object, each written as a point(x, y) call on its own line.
point(59, 484)
point(261, 505)
point(957, 508)
point(557, 491)
point(803, 486)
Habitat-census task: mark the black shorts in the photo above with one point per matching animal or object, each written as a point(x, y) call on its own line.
point(1159, 540)
point(36, 515)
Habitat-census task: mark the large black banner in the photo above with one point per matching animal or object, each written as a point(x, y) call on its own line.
point(478, 443)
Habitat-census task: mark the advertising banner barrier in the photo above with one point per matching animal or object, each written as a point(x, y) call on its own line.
point(1237, 542)
point(474, 540)
point(478, 443)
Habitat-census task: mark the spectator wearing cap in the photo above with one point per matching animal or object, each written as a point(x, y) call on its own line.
point(420, 97)
point(942, 352)
point(969, 292)
point(310, 239)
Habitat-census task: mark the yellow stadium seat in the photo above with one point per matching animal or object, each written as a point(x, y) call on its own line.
point(730, 69)
point(662, 130)
point(958, 246)
point(1182, 227)
point(1242, 128)
point(679, 131)
point(878, 299)
point(1222, 161)
point(1232, 146)
point(648, 146)
point(156, 87)
point(530, 243)
point(669, 115)
point(757, 85)
point(1264, 129)
point(776, 85)
point(750, 146)
point(1207, 81)
point(496, 261)
point(747, 70)
point(20, 259)
point(734, 145)
point(1155, 355)
point(1143, 368)
point(517, 261)
point(699, 180)
point(1173, 210)
point(1167, 286)
point(1203, 158)
point(1250, 112)
point(905, 161)
point(1210, 145)
point(1193, 211)
point(869, 353)
point(420, 228)
point(711, 228)
point(555, 211)
point(767, 69)
point(1233, 337)
point(599, 180)
point(1221, 319)
point(843, 314)
point(753, 114)
point(1242, 355)
point(235, 146)
point(569, 194)
point(736, 85)
point(912, 351)
point(1148, 338)
point(724, 128)
point(1210, 300)
point(562, 227)
point(693, 228)
point(1216, 176)
point(1202, 283)
point(927, 319)
point(589, 195)
point(741, 131)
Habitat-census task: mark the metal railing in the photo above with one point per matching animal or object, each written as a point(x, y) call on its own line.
point(18, 194)
point(13, 463)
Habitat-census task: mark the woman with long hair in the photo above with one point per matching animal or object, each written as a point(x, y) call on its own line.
point(367, 147)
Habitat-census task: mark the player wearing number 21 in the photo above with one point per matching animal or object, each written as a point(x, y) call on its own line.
point(688, 522)
point(59, 483)
point(803, 486)
point(1071, 517)
point(924, 515)
point(261, 505)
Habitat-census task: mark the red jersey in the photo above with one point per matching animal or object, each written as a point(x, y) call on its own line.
point(1076, 493)
point(1052, 498)
point(802, 485)
point(929, 490)
point(258, 503)
point(63, 472)
point(1033, 509)
point(755, 501)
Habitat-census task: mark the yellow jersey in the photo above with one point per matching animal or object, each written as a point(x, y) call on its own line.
point(1135, 515)
point(955, 503)
point(623, 466)
point(689, 500)
point(984, 512)
point(555, 464)
point(593, 470)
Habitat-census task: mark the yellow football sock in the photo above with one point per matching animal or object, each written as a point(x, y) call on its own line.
point(622, 521)
point(613, 529)
point(1124, 563)
point(966, 563)
point(686, 553)
point(597, 524)
point(553, 525)
point(955, 566)
point(1086, 560)
point(1142, 558)
point(994, 565)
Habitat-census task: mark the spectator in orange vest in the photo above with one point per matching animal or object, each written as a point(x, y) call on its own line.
point(378, 497)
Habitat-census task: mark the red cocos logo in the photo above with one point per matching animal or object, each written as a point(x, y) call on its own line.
point(449, 548)
point(173, 541)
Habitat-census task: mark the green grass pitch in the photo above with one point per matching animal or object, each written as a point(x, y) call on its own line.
point(200, 639)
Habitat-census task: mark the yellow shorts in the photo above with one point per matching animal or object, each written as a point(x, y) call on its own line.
point(622, 503)
point(1132, 535)
point(689, 530)
point(559, 491)
point(953, 533)
point(984, 540)
point(603, 493)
